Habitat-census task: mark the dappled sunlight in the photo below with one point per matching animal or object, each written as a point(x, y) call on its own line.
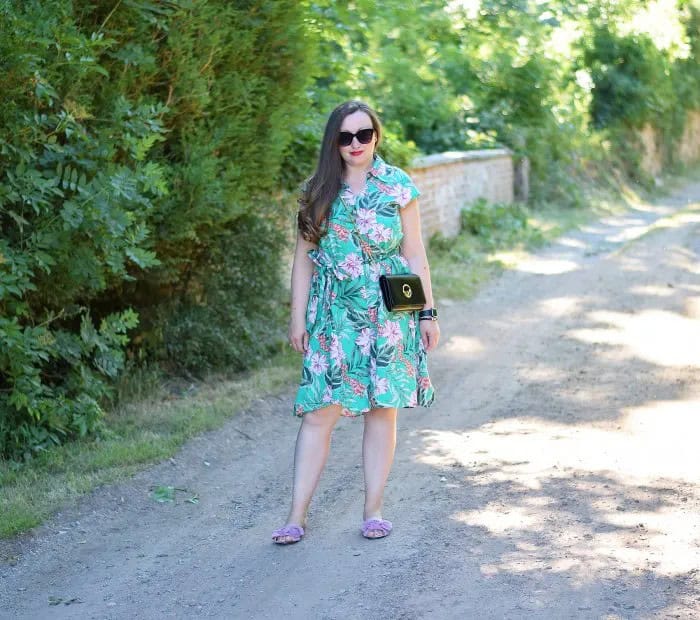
point(463, 345)
point(615, 539)
point(524, 448)
point(560, 306)
point(655, 209)
point(685, 259)
point(543, 372)
point(691, 308)
point(633, 264)
point(530, 263)
point(677, 220)
point(598, 395)
point(656, 336)
point(685, 217)
point(570, 242)
point(629, 233)
point(652, 290)
point(663, 542)
point(658, 19)
point(601, 496)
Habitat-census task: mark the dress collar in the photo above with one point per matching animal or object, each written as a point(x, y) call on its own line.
point(378, 166)
point(378, 169)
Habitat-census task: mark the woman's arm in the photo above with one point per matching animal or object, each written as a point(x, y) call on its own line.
point(413, 251)
point(302, 270)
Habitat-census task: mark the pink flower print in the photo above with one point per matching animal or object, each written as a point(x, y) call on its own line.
point(337, 353)
point(390, 190)
point(373, 370)
point(352, 265)
point(411, 323)
point(343, 233)
point(328, 394)
point(313, 307)
point(401, 193)
point(391, 331)
point(319, 363)
point(364, 340)
point(404, 196)
point(413, 400)
point(375, 271)
point(357, 388)
point(365, 220)
point(424, 383)
point(380, 234)
point(403, 261)
point(381, 386)
point(322, 342)
point(298, 410)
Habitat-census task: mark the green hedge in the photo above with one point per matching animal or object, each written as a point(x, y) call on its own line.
point(139, 144)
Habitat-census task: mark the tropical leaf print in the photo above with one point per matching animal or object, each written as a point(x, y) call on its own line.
point(361, 356)
point(387, 209)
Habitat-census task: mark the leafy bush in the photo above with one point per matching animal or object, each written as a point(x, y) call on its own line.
point(139, 145)
point(497, 224)
point(632, 79)
point(75, 197)
point(236, 96)
point(636, 83)
point(234, 319)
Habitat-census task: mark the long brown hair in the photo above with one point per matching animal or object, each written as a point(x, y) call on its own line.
point(320, 190)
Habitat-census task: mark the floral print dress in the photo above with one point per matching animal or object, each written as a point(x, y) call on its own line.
point(360, 355)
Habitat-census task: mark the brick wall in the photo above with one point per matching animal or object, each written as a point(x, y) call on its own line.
point(450, 181)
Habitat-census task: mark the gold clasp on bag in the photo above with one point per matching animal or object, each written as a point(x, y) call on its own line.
point(407, 291)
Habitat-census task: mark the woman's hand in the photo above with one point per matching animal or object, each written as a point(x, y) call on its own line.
point(429, 334)
point(298, 336)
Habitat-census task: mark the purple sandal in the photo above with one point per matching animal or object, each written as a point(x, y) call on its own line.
point(295, 532)
point(376, 525)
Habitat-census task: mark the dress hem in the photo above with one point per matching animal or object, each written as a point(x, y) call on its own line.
point(348, 413)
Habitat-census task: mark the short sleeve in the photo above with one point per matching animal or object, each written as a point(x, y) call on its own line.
point(407, 189)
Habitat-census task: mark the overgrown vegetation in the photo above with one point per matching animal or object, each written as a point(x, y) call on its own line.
point(150, 153)
point(141, 145)
point(135, 434)
point(460, 264)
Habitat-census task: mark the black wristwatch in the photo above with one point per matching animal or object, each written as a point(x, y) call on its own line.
point(428, 315)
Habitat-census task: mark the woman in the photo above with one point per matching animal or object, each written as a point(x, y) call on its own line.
point(358, 219)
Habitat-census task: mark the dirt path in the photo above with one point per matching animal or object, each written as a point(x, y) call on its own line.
point(557, 477)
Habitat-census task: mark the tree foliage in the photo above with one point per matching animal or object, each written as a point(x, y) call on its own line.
point(139, 142)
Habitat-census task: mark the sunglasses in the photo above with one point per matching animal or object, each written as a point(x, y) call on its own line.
point(364, 136)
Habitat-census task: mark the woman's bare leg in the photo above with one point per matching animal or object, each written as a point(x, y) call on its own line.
point(310, 455)
point(378, 446)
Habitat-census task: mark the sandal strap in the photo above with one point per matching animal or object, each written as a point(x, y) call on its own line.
point(296, 531)
point(382, 525)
